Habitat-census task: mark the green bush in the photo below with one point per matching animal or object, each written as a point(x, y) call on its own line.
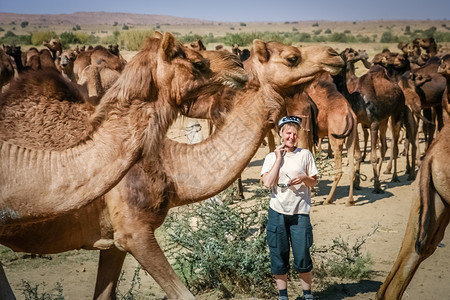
point(10, 38)
point(38, 38)
point(214, 245)
point(388, 37)
point(133, 40)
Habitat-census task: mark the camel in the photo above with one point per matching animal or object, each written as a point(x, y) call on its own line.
point(336, 120)
point(55, 47)
point(433, 91)
point(444, 69)
point(147, 93)
point(64, 63)
point(97, 79)
point(16, 53)
point(6, 69)
point(375, 101)
point(124, 219)
point(353, 57)
point(429, 216)
point(97, 56)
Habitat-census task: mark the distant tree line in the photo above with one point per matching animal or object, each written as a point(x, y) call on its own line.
point(132, 39)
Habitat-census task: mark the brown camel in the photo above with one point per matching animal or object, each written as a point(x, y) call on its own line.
point(64, 63)
point(429, 216)
point(377, 99)
point(99, 235)
point(353, 57)
point(126, 217)
point(16, 53)
point(433, 91)
point(6, 69)
point(95, 162)
point(336, 120)
point(97, 79)
point(444, 69)
point(55, 47)
point(97, 56)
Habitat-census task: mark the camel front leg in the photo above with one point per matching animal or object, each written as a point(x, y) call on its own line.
point(336, 146)
point(6, 292)
point(408, 260)
point(350, 145)
point(374, 158)
point(144, 247)
point(108, 272)
point(396, 126)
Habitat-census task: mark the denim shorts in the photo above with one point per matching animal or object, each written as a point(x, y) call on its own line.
point(284, 231)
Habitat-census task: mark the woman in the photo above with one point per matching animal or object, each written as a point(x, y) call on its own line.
point(290, 172)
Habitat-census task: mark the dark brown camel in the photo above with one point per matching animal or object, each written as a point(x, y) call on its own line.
point(428, 218)
point(433, 91)
point(377, 99)
point(16, 53)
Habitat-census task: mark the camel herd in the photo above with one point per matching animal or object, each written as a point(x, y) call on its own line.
point(86, 162)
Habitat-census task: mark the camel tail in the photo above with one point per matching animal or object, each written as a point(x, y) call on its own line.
point(348, 128)
point(426, 203)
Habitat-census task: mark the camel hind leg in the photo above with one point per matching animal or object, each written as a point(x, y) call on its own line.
point(408, 260)
point(109, 267)
point(6, 292)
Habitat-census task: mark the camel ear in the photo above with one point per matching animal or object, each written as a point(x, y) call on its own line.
point(168, 46)
point(158, 35)
point(201, 46)
point(261, 50)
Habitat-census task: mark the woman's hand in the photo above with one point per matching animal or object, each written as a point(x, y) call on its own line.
point(280, 151)
point(297, 180)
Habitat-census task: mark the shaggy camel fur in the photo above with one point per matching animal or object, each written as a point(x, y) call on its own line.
point(429, 216)
point(128, 125)
point(125, 219)
point(61, 231)
point(336, 120)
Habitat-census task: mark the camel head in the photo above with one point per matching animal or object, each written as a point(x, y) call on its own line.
point(419, 79)
point(400, 61)
point(444, 67)
point(66, 59)
point(54, 45)
point(283, 68)
point(197, 45)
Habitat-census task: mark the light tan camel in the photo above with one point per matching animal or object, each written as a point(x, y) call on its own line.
point(64, 63)
point(64, 227)
point(429, 216)
point(97, 79)
point(128, 125)
point(97, 56)
point(124, 219)
point(336, 120)
point(55, 47)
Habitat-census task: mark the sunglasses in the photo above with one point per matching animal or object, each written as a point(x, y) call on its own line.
point(284, 185)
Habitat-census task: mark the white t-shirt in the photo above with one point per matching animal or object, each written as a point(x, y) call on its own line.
point(294, 199)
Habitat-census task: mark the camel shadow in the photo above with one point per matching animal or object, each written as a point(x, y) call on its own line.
point(256, 163)
point(348, 290)
point(365, 194)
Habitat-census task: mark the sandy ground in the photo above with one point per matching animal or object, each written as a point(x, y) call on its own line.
point(384, 214)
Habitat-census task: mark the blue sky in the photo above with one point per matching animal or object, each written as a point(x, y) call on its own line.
point(247, 10)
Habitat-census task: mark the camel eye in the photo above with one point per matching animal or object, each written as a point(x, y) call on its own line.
point(292, 60)
point(199, 65)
